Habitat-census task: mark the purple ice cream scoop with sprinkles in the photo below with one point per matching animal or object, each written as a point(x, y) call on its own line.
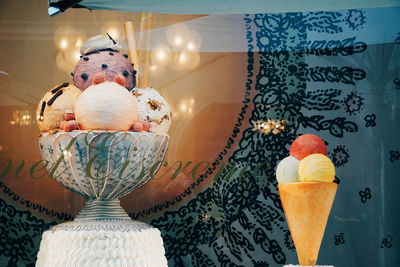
point(100, 54)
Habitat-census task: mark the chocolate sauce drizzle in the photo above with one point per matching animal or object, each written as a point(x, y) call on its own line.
point(114, 42)
point(101, 50)
point(53, 91)
point(42, 111)
point(51, 101)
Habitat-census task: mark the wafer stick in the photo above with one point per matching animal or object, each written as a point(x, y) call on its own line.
point(132, 48)
point(144, 42)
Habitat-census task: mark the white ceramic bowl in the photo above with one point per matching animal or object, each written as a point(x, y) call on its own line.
point(103, 165)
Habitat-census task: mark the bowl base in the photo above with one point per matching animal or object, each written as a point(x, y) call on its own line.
point(102, 209)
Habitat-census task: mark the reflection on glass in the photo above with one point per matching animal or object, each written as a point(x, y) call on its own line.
point(21, 118)
point(269, 126)
point(196, 97)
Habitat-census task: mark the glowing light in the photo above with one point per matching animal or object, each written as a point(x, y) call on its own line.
point(177, 33)
point(21, 117)
point(269, 126)
point(63, 43)
point(190, 110)
point(183, 107)
point(185, 61)
point(153, 68)
point(183, 58)
point(76, 55)
point(190, 46)
point(78, 43)
point(178, 41)
point(206, 217)
point(161, 55)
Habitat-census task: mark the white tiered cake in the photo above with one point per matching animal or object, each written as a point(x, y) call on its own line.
point(101, 243)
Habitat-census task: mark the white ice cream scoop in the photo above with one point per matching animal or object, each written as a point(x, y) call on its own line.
point(106, 106)
point(153, 108)
point(286, 171)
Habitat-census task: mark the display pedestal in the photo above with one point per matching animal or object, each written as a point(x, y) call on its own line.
point(102, 234)
point(102, 243)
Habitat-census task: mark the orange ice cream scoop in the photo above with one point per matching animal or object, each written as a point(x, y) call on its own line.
point(307, 144)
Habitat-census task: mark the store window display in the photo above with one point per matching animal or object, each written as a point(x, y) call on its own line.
point(230, 80)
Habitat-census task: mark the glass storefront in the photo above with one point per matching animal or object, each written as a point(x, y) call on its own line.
point(335, 74)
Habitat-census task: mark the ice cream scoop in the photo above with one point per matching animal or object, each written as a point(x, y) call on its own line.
point(316, 168)
point(106, 106)
point(307, 144)
point(99, 42)
point(100, 54)
point(153, 108)
point(286, 171)
point(54, 104)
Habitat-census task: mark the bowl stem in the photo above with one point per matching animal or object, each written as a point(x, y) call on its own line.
point(102, 209)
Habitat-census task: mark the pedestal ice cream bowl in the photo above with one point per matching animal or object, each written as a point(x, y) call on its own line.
point(103, 166)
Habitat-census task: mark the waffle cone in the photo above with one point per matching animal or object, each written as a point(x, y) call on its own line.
point(307, 207)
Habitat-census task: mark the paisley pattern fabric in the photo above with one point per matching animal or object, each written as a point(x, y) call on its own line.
point(20, 234)
point(317, 86)
point(323, 74)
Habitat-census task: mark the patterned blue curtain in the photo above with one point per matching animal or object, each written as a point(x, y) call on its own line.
point(334, 74)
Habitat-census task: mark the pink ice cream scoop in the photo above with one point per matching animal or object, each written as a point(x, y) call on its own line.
point(108, 61)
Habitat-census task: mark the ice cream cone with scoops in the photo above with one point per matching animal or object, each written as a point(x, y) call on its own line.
point(307, 191)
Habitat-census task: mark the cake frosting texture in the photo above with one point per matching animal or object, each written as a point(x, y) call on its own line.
point(102, 243)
